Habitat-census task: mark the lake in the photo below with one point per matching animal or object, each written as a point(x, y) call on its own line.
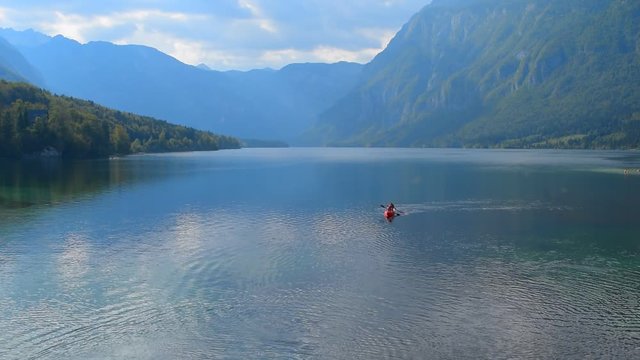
point(285, 253)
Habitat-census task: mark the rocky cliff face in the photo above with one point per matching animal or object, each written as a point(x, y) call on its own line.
point(499, 73)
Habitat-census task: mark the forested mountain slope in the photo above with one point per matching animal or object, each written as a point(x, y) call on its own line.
point(495, 73)
point(34, 122)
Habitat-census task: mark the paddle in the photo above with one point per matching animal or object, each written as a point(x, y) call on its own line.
point(398, 212)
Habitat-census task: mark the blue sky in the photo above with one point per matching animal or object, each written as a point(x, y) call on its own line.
point(225, 34)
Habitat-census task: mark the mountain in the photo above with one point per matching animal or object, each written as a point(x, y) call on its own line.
point(34, 121)
point(261, 104)
point(495, 73)
point(286, 102)
point(14, 67)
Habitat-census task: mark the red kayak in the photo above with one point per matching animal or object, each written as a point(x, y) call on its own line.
point(389, 214)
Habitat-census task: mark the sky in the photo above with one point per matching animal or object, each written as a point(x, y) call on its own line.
point(224, 34)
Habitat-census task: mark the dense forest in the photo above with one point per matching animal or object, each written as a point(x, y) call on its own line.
point(34, 122)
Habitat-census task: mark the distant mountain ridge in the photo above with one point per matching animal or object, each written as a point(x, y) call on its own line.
point(14, 67)
point(261, 104)
point(520, 73)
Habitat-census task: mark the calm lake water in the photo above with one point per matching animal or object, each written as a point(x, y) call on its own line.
point(284, 253)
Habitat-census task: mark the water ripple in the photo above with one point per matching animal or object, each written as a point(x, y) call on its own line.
point(176, 276)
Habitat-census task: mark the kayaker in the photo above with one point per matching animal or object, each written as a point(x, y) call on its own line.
point(390, 212)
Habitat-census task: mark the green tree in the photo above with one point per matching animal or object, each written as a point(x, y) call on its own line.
point(136, 146)
point(120, 140)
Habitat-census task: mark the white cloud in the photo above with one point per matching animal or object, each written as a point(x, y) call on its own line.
point(258, 16)
point(84, 28)
point(225, 34)
point(380, 35)
point(190, 52)
point(283, 56)
point(225, 60)
point(186, 50)
point(143, 15)
point(261, 24)
point(328, 53)
point(323, 53)
point(253, 8)
point(9, 17)
point(332, 54)
point(72, 26)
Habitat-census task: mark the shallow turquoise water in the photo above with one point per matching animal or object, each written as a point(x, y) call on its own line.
point(284, 253)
